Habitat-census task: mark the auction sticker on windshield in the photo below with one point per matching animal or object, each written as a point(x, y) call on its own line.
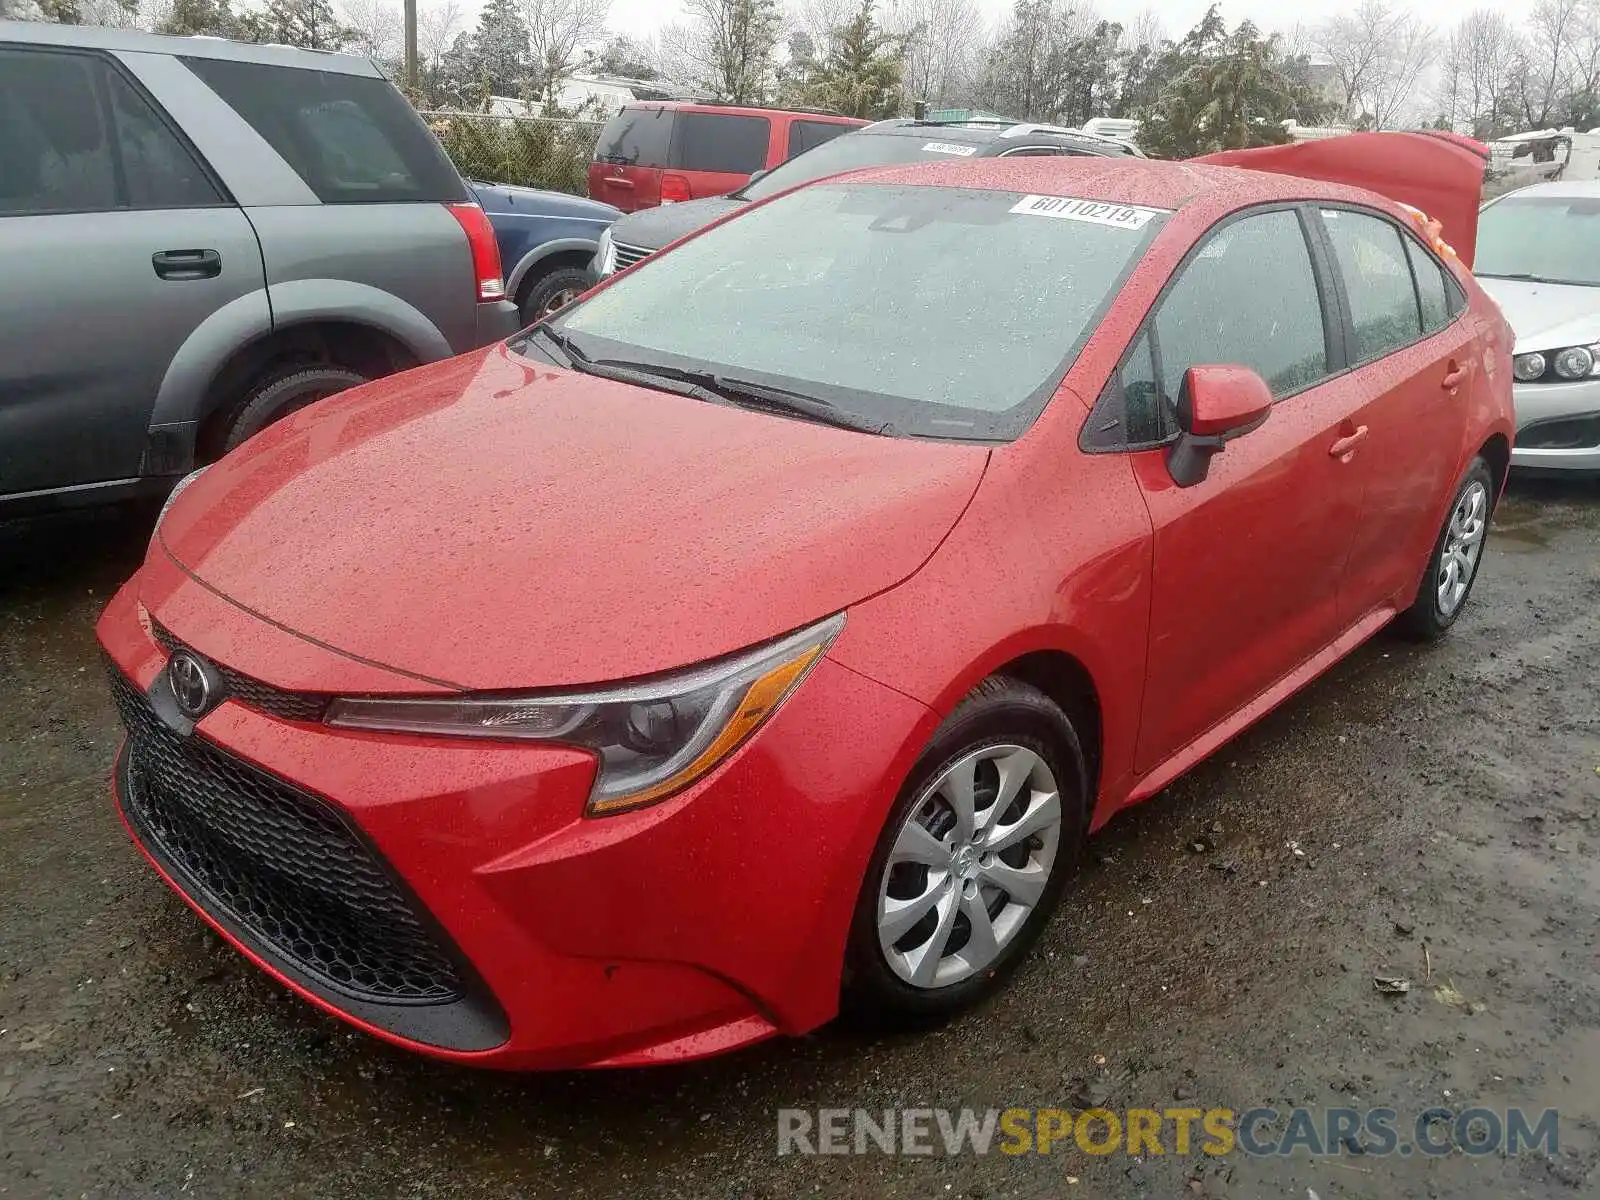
point(949, 148)
point(1097, 212)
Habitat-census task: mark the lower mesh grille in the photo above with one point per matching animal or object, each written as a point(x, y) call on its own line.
point(281, 863)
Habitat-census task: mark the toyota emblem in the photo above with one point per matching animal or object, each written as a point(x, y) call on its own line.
point(194, 684)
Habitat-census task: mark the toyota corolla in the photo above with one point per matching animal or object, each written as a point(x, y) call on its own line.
point(763, 635)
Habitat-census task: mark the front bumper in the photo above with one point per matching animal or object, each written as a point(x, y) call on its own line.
point(706, 922)
point(1558, 426)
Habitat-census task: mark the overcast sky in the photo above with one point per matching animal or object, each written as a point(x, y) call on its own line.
point(646, 16)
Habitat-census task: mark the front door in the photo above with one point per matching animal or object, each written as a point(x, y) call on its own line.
point(1246, 563)
point(117, 245)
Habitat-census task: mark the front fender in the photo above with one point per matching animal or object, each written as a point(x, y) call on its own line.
point(544, 250)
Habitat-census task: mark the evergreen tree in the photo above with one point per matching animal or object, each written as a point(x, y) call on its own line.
point(308, 23)
point(862, 72)
point(500, 49)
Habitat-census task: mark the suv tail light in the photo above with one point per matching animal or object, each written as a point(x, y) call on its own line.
point(485, 250)
point(674, 189)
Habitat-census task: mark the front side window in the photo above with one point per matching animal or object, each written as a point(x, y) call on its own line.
point(726, 144)
point(944, 312)
point(352, 138)
point(56, 154)
point(1543, 239)
point(1377, 277)
point(1249, 298)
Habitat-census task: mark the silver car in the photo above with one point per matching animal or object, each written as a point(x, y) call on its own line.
point(199, 237)
point(1539, 257)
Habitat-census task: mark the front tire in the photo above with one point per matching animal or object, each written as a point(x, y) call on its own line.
point(973, 859)
point(550, 295)
point(1457, 555)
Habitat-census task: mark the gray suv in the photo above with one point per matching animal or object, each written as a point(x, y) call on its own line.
point(198, 237)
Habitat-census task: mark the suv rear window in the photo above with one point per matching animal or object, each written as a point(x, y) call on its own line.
point(730, 144)
point(352, 138)
point(636, 137)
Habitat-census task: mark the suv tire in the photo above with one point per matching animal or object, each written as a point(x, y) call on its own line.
point(564, 285)
point(283, 392)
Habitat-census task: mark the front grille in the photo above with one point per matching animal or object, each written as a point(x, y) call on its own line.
point(628, 255)
point(282, 864)
point(263, 697)
point(1560, 433)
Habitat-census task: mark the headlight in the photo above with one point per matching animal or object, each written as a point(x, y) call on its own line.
point(1575, 362)
point(172, 496)
point(605, 256)
point(1528, 367)
point(653, 739)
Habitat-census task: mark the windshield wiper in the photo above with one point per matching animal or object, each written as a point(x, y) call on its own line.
point(1525, 277)
point(760, 396)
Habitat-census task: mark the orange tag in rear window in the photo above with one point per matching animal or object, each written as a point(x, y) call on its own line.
point(1432, 232)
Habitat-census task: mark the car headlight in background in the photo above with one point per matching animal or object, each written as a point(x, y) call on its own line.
point(1571, 362)
point(653, 738)
point(172, 496)
point(605, 256)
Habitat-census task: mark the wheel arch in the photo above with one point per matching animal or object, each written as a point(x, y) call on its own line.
point(1496, 451)
point(570, 251)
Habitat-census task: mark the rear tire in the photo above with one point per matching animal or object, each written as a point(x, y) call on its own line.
point(1457, 555)
point(548, 296)
point(985, 896)
point(283, 392)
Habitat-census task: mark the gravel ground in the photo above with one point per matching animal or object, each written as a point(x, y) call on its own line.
point(1444, 800)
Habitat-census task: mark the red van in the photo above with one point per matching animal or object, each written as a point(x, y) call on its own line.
point(657, 152)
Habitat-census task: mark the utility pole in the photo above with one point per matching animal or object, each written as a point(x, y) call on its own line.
point(413, 83)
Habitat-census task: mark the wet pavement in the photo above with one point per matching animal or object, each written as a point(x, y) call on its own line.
point(1445, 803)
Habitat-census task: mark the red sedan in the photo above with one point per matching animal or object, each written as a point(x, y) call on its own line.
point(765, 633)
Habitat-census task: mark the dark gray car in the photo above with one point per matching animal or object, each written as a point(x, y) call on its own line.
point(199, 237)
point(884, 143)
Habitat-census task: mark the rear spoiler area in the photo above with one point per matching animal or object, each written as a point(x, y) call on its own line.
point(1438, 175)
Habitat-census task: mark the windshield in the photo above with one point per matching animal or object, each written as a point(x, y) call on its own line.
point(941, 312)
point(850, 153)
point(1553, 238)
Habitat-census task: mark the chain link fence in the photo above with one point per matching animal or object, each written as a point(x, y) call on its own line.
point(528, 151)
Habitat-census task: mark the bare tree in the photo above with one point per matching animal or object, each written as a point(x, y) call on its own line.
point(725, 47)
point(437, 27)
point(1477, 69)
point(1380, 52)
point(1146, 31)
point(1543, 73)
point(559, 31)
point(377, 28)
point(943, 39)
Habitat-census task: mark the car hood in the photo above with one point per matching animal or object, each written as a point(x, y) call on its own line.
point(508, 198)
point(1547, 316)
point(492, 522)
point(657, 227)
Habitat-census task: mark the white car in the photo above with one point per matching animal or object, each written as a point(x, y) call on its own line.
point(1538, 255)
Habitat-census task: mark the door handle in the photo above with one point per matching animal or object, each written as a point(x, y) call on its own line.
point(1346, 445)
point(1454, 378)
point(178, 265)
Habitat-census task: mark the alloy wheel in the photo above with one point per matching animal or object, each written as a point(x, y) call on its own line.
point(968, 866)
point(1463, 543)
point(558, 301)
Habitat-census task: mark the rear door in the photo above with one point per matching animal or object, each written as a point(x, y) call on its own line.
point(116, 243)
point(1413, 363)
point(718, 152)
point(630, 156)
point(383, 181)
point(1245, 568)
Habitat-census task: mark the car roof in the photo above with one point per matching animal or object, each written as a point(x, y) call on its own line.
point(1152, 183)
point(1008, 135)
point(95, 37)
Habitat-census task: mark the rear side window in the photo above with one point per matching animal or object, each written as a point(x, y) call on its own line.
point(1248, 298)
point(1433, 292)
point(728, 144)
point(352, 138)
point(808, 135)
point(77, 136)
point(636, 137)
point(1377, 277)
point(55, 152)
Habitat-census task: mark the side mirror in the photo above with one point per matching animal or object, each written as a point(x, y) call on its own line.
point(1215, 405)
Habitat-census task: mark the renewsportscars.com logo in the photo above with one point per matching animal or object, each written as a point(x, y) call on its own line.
point(1257, 1132)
